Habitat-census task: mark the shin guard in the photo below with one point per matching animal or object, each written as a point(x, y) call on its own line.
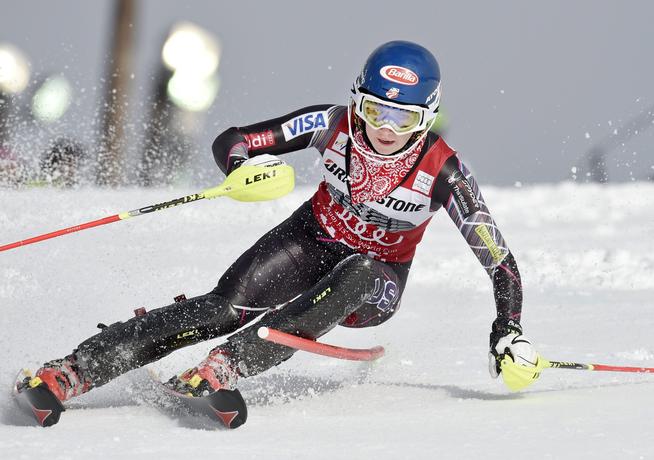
point(124, 346)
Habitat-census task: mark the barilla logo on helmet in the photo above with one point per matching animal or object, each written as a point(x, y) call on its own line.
point(399, 74)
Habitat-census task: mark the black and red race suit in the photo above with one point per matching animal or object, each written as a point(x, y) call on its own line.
point(389, 229)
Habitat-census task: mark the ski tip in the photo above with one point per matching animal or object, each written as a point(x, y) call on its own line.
point(34, 398)
point(263, 332)
point(228, 406)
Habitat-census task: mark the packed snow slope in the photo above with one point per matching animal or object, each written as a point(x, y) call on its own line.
point(586, 254)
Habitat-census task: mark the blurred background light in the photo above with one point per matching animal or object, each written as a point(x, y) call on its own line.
point(186, 86)
point(191, 49)
point(14, 69)
point(52, 99)
point(192, 93)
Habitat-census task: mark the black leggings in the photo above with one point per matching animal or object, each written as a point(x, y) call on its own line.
point(304, 281)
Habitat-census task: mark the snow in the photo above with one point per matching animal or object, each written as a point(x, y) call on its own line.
point(587, 262)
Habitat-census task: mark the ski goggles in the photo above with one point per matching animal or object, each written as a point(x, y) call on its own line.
point(399, 118)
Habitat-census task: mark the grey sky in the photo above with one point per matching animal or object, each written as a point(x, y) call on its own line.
point(528, 86)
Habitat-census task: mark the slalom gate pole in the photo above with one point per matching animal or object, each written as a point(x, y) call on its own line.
point(247, 183)
point(596, 367)
point(311, 346)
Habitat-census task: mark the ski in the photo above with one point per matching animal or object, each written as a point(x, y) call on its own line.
point(224, 406)
point(35, 399)
point(227, 407)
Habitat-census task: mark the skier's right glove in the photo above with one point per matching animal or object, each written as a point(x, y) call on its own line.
point(512, 355)
point(266, 160)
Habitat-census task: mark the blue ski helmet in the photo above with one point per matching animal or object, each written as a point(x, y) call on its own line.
point(399, 88)
point(402, 72)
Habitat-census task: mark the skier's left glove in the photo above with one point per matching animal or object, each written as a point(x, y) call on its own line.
point(512, 355)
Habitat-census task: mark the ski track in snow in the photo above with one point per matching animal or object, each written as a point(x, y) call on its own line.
point(586, 256)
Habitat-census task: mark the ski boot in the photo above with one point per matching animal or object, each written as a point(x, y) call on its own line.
point(42, 395)
point(63, 378)
point(212, 374)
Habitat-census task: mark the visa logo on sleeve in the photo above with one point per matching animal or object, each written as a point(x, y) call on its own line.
point(303, 124)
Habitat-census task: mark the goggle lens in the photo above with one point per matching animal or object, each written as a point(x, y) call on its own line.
point(400, 120)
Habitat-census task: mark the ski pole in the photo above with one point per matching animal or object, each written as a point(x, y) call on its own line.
point(247, 183)
point(596, 367)
point(312, 346)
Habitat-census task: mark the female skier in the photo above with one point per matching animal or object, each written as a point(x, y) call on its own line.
point(342, 257)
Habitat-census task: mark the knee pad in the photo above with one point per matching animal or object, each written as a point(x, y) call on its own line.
point(384, 301)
